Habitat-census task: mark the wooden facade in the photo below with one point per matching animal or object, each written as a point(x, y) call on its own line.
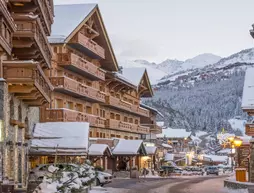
point(87, 88)
point(25, 56)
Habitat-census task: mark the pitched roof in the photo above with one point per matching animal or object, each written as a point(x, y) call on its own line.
point(129, 147)
point(69, 17)
point(174, 133)
point(150, 150)
point(98, 149)
point(248, 90)
point(151, 108)
point(135, 75)
point(61, 136)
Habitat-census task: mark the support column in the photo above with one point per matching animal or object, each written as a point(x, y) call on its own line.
point(251, 161)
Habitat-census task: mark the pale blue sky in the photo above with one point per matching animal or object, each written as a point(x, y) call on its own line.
point(158, 29)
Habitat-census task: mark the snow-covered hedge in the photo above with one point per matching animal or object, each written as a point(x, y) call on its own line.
point(69, 180)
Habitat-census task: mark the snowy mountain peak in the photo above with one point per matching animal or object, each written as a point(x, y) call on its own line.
point(244, 56)
point(200, 61)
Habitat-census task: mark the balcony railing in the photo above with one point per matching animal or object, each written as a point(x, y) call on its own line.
point(155, 129)
point(143, 129)
point(249, 129)
point(121, 104)
point(80, 65)
point(67, 115)
point(22, 75)
point(124, 126)
point(87, 44)
point(29, 26)
point(65, 84)
point(4, 11)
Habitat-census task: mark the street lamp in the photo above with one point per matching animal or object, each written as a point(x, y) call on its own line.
point(238, 142)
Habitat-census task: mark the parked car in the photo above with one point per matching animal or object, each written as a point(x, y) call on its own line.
point(212, 170)
point(38, 173)
point(103, 178)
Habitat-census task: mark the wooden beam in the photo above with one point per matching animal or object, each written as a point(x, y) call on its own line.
point(21, 88)
point(22, 44)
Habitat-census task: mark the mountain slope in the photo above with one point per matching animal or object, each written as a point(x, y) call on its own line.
point(210, 96)
point(154, 74)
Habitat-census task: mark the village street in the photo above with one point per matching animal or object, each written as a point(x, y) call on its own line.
point(207, 184)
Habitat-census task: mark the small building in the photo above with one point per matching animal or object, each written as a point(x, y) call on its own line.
point(59, 142)
point(178, 138)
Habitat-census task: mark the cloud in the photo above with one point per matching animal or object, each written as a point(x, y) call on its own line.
point(131, 49)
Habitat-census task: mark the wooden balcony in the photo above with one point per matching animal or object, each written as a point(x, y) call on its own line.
point(27, 80)
point(30, 41)
point(7, 16)
point(155, 129)
point(143, 129)
point(123, 105)
point(81, 66)
point(67, 115)
point(69, 86)
point(88, 46)
point(127, 127)
point(249, 129)
point(43, 8)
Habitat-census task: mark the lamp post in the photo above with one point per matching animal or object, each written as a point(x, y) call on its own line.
point(238, 142)
point(231, 139)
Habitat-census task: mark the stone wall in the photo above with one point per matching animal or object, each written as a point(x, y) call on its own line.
point(14, 146)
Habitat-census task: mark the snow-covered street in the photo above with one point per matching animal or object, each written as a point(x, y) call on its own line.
point(206, 184)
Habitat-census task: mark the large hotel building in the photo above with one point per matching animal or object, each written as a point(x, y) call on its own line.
point(65, 74)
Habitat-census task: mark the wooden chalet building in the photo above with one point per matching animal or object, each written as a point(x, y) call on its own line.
point(25, 57)
point(88, 86)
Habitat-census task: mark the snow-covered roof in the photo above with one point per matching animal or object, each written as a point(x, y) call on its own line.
point(160, 123)
point(150, 150)
point(68, 17)
point(248, 90)
point(129, 147)
point(98, 149)
point(169, 157)
point(61, 136)
point(166, 145)
point(225, 151)
point(135, 75)
point(217, 158)
point(151, 108)
point(174, 133)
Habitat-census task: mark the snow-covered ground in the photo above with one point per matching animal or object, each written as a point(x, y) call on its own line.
point(238, 124)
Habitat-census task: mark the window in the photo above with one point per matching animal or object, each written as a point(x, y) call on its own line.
point(104, 135)
point(101, 135)
point(69, 105)
point(125, 137)
point(112, 116)
point(90, 134)
point(97, 112)
point(118, 136)
point(88, 110)
point(58, 103)
point(118, 117)
point(136, 121)
point(112, 135)
point(125, 119)
point(130, 120)
point(97, 134)
point(27, 126)
point(79, 107)
point(136, 138)
point(11, 108)
point(131, 137)
point(20, 112)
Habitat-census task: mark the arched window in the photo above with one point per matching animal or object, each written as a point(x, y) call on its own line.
point(11, 108)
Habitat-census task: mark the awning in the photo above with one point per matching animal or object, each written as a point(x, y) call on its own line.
point(129, 148)
point(61, 138)
point(99, 150)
